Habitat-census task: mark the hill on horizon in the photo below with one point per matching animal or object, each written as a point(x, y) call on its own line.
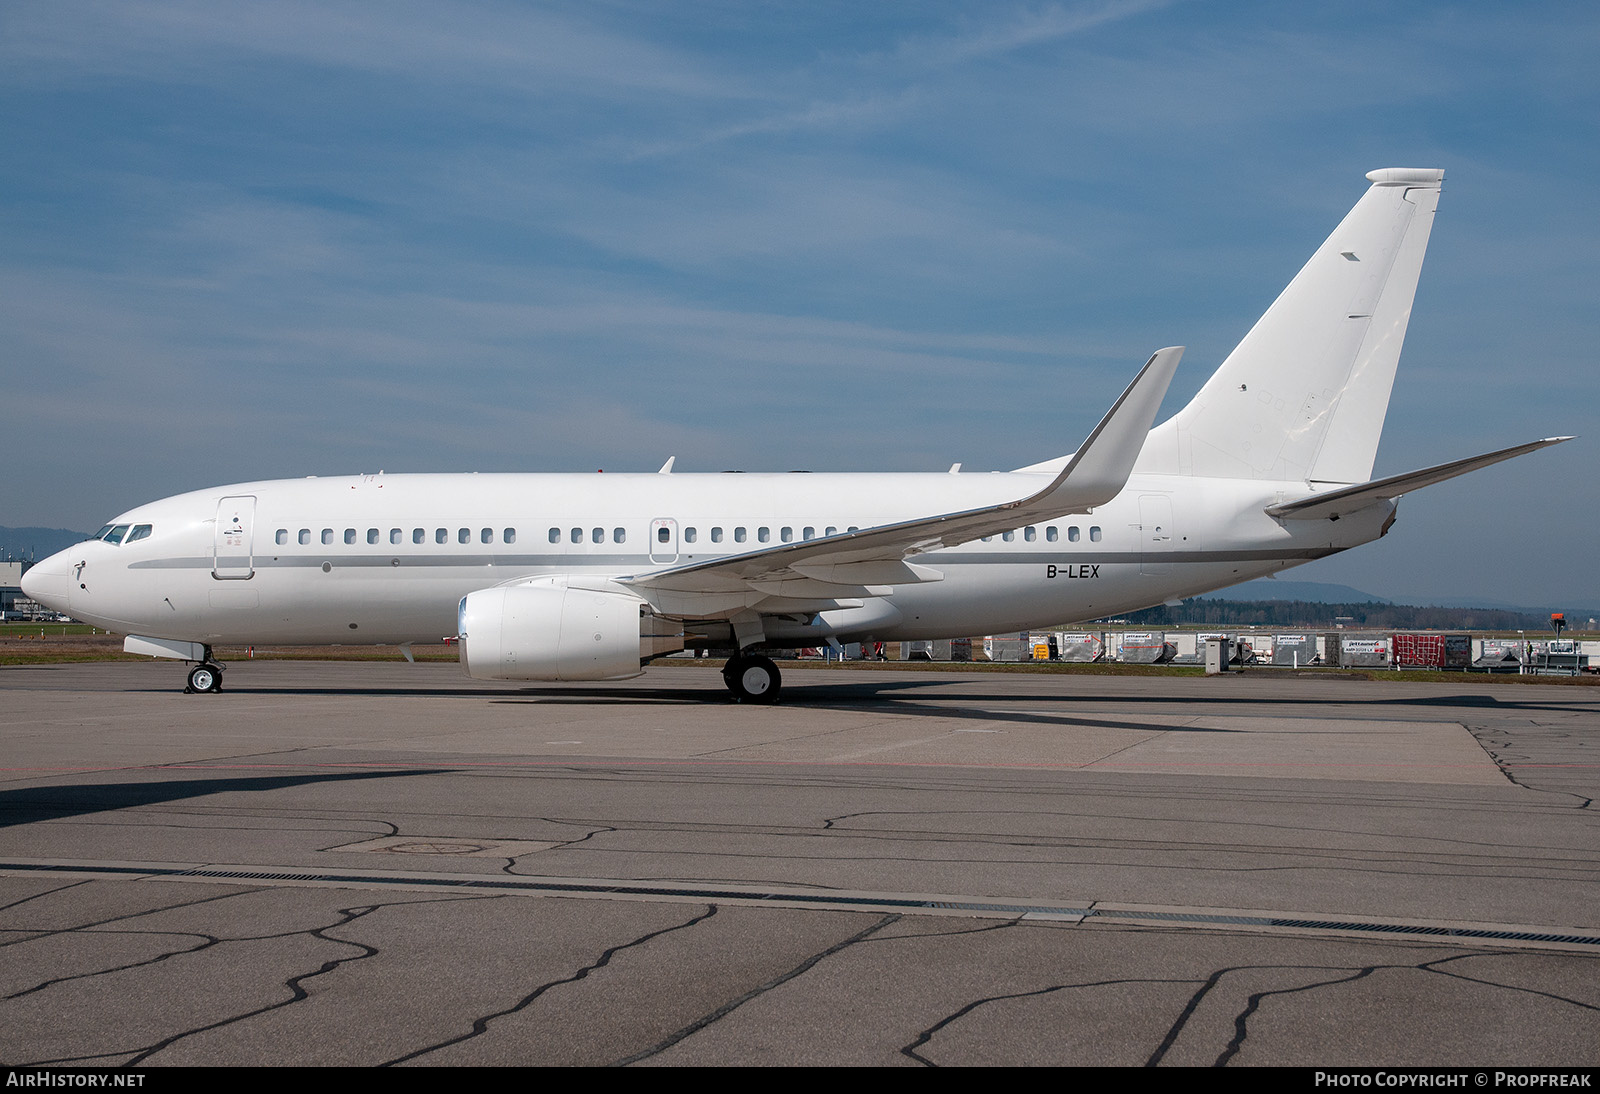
point(1311, 592)
point(36, 543)
point(1317, 592)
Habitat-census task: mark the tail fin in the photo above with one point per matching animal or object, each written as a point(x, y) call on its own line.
point(1304, 395)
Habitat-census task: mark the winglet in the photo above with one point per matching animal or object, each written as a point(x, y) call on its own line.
point(1100, 468)
point(877, 556)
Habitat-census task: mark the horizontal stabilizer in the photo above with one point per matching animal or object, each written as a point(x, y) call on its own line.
point(1333, 504)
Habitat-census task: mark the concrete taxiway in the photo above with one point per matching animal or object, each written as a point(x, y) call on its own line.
point(389, 863)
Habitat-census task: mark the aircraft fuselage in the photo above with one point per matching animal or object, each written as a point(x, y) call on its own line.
point(386, 558)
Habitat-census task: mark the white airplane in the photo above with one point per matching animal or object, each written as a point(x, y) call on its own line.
point(588, 577)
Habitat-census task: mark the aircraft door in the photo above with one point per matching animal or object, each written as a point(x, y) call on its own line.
point(1155, 535)
point(663, 540)
point(232, 557)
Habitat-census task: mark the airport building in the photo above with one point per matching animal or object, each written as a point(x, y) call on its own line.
point(1246, 646)
point(13, 603)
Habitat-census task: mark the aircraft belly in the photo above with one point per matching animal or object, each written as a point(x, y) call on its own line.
point(995, 599)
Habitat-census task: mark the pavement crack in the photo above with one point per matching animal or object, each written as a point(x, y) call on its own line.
point(928, 1034)
point(1184, 1015)
point(1431, 966)
point(761, 989)
point(130, 915)
point(481, 1025)
point(294, 984)
point(593, 832)
point(1241, 1021)
point(47, 892)
point(205, 942)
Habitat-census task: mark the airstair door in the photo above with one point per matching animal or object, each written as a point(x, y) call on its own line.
point(232, 557)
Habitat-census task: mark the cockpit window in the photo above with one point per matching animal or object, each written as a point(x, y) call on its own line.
point(140, 531)
point(101, 534)
point(115, 534)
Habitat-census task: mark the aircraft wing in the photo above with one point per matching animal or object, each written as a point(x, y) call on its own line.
point(866, 562)
point(1333, 504)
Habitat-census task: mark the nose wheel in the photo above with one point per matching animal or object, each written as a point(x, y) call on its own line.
point(752, 678)
point(205, 677)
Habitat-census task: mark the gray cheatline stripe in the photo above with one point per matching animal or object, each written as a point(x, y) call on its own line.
point(639, 563)
point(837, 901)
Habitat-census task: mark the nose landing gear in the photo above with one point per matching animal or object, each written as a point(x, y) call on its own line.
point(206, 676)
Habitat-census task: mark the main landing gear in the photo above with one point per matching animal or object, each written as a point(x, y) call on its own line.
point(206, 676)
point(752, 678)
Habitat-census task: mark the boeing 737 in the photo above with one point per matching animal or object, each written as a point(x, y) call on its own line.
point(589, 577)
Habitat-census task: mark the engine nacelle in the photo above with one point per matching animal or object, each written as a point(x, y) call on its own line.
point(549, 630)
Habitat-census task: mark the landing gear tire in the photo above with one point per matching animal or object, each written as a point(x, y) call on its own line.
point(207, 677)
point(753, 678)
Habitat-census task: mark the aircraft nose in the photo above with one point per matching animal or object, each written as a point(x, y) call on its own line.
point(48, 581)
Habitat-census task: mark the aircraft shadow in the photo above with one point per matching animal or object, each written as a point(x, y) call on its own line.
point(27, 804)
point(934, 687)
point(872, 693)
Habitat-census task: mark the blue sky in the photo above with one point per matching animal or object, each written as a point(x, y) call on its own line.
point(277, 239)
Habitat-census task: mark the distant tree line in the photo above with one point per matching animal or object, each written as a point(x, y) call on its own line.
point(1309, 615)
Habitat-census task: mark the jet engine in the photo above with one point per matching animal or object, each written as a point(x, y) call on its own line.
point(555, 629)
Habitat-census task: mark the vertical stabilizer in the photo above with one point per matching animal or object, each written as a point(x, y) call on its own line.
point(1303, 397)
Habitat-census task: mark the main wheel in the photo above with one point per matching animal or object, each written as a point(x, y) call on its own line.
point(753, 678)
point(205, 678)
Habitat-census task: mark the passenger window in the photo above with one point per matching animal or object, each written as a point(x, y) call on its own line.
point(986, 539)
point(764, 534)
point(598, 535)
point(852, 528)
point(396, 536)
point(1094, 533)
point(486, 536)
point(349, 535)
point(619, 535)
point(786, 534)
point(282, 536)
point(441, 535)
point(327, 535)
point(663, 534)
point(511, 535)
point(716, 534)
point(1030, 534)
point(1008, 536)
point(808, 533)
point(1052, 534)
point(577, 535)
point(689, 535)
point(305, 536)
point(1072, 534)
point(829, 530)
point(555, 535)
point(738, 534)
point(372, 535)
point(419, 535)
point(464, 535)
